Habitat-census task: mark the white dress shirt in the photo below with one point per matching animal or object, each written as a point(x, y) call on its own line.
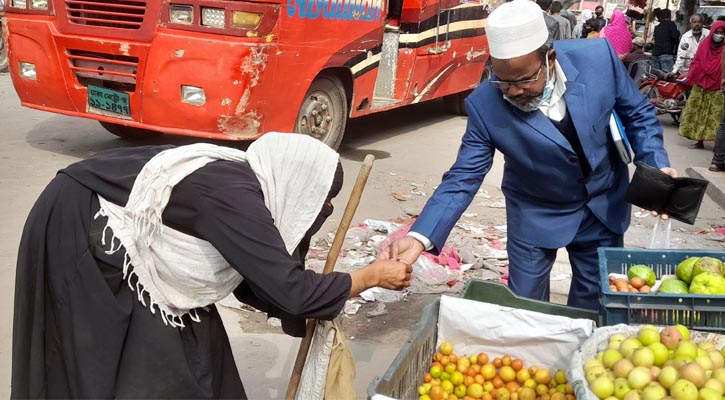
point(686, 51)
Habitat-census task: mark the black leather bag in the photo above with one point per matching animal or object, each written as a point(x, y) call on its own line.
point(653, 190)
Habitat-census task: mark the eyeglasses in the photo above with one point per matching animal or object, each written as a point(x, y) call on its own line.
point(524, 84)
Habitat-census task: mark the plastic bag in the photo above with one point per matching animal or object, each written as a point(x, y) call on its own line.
point(660, 238)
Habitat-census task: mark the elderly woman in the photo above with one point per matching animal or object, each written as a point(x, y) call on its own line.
point(704, 108)
point(124, 255)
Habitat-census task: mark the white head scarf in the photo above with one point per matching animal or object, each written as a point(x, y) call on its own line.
point(296, 174)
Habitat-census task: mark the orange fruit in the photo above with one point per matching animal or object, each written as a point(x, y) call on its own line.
point(427, 377)
point(482, 359)
point(453, 358)
point(476, 368)
point(542, 390)
point(444, 360)
point(512, 387)
point(497, 382)
point(507, 373)
point(437, 356)
point(479, 379)
point(436, 393)
point(543, 376)
point(506, 360)
point(517, 364)
point(497, 363)
point(468, 381)
point(523, 376)
point(488, 371)
point(487, 396)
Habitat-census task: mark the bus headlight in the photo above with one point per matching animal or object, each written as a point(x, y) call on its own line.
point(38, 4)
point(193, 95)
point(180, 14)
point(213, 17)
point(245, 20)
point(27, 71)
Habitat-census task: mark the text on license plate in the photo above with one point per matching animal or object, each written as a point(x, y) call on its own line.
point(108, 100)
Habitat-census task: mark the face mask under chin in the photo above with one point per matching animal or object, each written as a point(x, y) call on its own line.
point(537, 101)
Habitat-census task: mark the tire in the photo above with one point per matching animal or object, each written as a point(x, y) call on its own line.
point(323, 113)
point(456, 103)
point(4, 63)
point(129, 132)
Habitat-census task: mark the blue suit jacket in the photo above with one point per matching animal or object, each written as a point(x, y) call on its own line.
point(543, 182)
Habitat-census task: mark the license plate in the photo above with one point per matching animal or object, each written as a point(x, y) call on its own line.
point(108, 100)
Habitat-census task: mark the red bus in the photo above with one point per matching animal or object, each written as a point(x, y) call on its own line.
point(233, 69)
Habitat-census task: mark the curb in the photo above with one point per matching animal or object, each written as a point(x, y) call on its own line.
point(716, 188)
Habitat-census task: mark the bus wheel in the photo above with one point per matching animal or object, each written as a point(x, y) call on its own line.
point(129, 132)
point(3, 55)
point(323, 114)
point(456, 103)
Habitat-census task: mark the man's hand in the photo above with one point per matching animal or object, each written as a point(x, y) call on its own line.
point(406, 249)
point(673, 173)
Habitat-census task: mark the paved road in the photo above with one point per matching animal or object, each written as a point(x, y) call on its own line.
point(415, 145)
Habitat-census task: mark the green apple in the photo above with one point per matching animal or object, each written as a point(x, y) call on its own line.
point(684, 390)
point(668, 376)
point(654, 391)
point(633, 395)
point(706, 346)
point(718, 361)
point(594, 373)
point(643, 357)
point(622, 368)
point(684, 332)
point(686, 349)
point(705, 362)
point(660, 352)
point(610, 357)
point(648, 335)
point(694, 373)
point(639, 378)
point(616, 340)
point(715, 384)
point(708, 394)
point(603, 387)
point(708, 283)
point(621, 388)
point(719, 374)
point(629, 345)
point(592, 363)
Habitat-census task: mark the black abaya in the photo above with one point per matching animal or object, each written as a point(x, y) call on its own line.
point(79, 331)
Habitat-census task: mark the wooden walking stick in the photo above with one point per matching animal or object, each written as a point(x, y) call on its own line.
point(352, 203)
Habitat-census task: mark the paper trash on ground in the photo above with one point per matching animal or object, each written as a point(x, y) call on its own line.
point(539, 339)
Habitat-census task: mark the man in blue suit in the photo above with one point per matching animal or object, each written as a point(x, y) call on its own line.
point(547, 110)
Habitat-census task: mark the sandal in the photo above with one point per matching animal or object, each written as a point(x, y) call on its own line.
point(697, 145)
point(716, 168)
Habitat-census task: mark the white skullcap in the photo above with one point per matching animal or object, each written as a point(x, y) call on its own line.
point(515, 29)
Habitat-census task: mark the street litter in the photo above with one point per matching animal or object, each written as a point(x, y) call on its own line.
point(498, 204)
point(352, 306)
point(378, 311)
point(382, 294)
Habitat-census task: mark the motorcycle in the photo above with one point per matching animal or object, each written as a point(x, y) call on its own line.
point(3, 45)
point(668, 93)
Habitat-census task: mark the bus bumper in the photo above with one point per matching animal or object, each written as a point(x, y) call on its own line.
point(155, 77)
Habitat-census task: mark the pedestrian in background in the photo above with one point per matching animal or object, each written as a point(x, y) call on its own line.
point(592, 28)
point(704, 108)
point(689, 43)
point(552, 24)
point(547, 111)
point(564, 25)
point(666, 38)
point(579, 31)
point(618, 34)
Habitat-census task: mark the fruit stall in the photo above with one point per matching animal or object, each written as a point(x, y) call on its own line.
point(658, 338)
